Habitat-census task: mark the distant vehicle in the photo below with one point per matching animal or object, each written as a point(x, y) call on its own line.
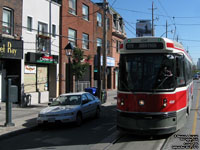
point(155, 88)
point(196, 77)
point(71, 107)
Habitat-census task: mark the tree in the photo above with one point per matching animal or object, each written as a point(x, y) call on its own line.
point(80, 64)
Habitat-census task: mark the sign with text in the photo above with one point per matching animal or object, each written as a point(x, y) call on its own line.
point(136, 46)
point(10, 48)
point(30, 69)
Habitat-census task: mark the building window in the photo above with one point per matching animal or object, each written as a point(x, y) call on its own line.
point(117, 46)
point(85, 41)
point(108, 23)
point(42, 28)
point(7, 24)
point(29, 23)
point(54, 30)
point(99, 42)
point(72, 37)
point(42, 38)
point(85, 11)
point(72, 7)
point(108, 47)
point(99, 19)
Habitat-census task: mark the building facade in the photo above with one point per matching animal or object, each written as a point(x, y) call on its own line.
point(82, 25)
point(40, 66)
point(11, 46)
point(118, 35)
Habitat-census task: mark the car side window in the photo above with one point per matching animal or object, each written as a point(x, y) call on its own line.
point(90, 97)
point(84, 99)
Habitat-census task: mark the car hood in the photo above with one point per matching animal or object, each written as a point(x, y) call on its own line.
point(58, 109)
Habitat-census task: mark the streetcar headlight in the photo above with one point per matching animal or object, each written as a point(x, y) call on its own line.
point(120, 101)
point(165, 102)
point(141, 102)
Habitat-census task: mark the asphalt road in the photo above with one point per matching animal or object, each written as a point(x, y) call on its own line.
point(101, 134)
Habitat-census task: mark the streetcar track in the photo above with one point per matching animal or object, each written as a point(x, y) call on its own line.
point(113, 142)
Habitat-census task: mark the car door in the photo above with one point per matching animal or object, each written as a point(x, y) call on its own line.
point(85, 107)
point(92, 103)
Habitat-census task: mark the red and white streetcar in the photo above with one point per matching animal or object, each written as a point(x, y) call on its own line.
point(155, 88)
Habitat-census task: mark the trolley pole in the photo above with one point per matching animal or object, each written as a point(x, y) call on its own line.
point(104, 45)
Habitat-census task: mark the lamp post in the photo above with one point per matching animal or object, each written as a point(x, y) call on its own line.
point(69, 50)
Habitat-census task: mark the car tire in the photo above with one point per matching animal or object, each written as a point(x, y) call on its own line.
point(78, 119)
point(97, 115)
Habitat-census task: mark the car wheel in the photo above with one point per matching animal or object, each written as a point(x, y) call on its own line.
point(97, 115)
point(78, 119)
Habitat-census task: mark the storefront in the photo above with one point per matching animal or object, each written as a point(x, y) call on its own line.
point(40, 77)
point(11, 54)
point(109, 71)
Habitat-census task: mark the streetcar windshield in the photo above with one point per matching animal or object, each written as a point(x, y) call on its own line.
point(146, 72)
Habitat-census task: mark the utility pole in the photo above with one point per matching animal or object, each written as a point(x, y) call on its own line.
point(152, 21)
point(152, 9)
point(166, 28)
point(50, 27)
point(104, 45)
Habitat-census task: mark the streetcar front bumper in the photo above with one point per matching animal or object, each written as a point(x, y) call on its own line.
point(147, 123)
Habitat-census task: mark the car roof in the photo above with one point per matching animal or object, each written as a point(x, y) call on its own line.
point(76, 93)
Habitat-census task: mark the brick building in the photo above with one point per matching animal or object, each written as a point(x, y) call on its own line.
point(11, 45)
point(82, 25)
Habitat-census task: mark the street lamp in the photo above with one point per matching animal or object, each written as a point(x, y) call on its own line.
point(69, 51)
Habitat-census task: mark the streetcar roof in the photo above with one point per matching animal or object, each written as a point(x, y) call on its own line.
point(168, 46)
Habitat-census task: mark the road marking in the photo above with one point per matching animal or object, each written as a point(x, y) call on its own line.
point(195, 115)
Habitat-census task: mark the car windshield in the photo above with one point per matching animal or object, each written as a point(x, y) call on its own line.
point(146, 72)
point(67, 100)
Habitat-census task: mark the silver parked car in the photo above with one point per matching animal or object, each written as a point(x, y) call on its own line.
point(71, 107)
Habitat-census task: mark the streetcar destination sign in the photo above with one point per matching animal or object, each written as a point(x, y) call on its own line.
point(153, 45)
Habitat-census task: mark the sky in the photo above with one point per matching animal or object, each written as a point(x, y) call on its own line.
point(183, 17)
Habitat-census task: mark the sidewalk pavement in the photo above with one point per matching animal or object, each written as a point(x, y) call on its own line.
point(25, 118)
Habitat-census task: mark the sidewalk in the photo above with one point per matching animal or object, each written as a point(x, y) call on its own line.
point(25, 118)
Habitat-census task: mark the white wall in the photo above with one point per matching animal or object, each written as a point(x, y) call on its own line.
point(39, 11)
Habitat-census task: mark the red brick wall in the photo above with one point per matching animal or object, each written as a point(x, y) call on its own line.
point(16, 6)
point(76, 22)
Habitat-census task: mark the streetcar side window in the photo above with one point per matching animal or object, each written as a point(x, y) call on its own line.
point(180, 71)
point(188, 71)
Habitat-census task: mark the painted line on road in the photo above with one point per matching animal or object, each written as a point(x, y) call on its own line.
point(195, 115)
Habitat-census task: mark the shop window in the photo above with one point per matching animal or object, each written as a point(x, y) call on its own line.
point(85, 11)
point(85, 41)
point(42, 78)
point(72, 7)
point(29, 78)
point(72, 37)
point(8, 21)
